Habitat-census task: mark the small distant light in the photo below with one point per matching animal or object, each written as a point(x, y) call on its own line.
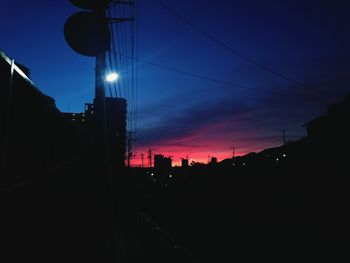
point(73, 114)
point(83, 120)
point(284, 155)
point(92, 112)
point(233, 164)
point(170, 176)
point(277, 159)
point(243, 163)
point(112, 77)
point(73, 119)
point(152, 174)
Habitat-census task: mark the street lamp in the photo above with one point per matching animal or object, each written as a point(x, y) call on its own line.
point(112, 76)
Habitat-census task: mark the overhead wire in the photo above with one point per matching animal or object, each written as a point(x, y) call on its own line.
point(227, 47)
point(124, 36)
point(131, 91)
point(199, 76)
point(136, 64)
point(133, 68)
point(114, 55)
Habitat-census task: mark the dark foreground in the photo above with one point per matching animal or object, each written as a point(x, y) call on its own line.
point(195, 216)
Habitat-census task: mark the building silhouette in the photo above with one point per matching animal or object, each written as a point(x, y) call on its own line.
point(333, 126)
point(162, 162)
point(47, 177)
point(213, 161)
point(33, 133)
point(184, 162)
point(85, 122)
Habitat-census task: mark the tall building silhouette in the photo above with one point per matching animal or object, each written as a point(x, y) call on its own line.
point(115, 125)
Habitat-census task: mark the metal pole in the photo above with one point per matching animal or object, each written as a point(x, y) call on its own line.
point(103, 151)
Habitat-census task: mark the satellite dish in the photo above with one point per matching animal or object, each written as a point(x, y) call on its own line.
point(90, 4)
point(87, 33)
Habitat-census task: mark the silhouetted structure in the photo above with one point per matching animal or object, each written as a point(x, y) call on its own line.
point(116, 127)
point(47, 178)
point(334, 126)
point(116, 130)
point(162, 162)
point(184, 162)
point(35, 137)
point(213, 161)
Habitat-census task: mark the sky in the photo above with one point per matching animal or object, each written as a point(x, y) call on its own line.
point(179, 113)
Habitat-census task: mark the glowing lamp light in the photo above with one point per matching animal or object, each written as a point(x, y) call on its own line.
point(113, 76)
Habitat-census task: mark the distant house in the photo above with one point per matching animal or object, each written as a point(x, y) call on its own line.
point(332, 127)
point(318, 127)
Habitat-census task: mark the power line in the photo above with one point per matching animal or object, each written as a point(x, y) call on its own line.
point(227, 47)
point(195, 75)
point(137, 138)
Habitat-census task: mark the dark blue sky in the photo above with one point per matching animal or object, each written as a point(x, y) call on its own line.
point(180, 115)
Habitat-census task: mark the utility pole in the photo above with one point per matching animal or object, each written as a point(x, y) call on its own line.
point(233, 152)
point(284, 136)
point(142, 160)
point(129, 155)
point(88, 34)
point(150, 157)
